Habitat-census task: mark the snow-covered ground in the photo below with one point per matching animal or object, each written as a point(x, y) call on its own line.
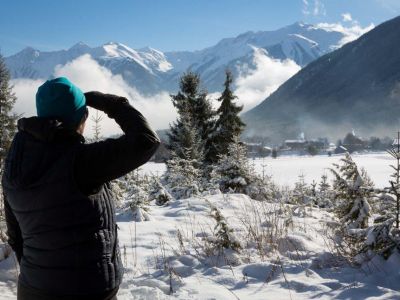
point(285, 170)
point(286, 253)
point(301, 266)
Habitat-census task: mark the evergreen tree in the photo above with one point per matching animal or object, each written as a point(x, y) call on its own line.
point(184, 168)
point(7, 121)
point(394, 190)
point(324, 192)
point(324, 186)
point(182, 176)
point(158, 193)
point(229, 123)
point(97, 118)
point(224, 237)
point(352, 194)
point(203, 117)
point(185, 141)
point(195, 112)
point(137, 196)
point(301, 191)
point(7, 118)
point(383, 236)
point(232, 171)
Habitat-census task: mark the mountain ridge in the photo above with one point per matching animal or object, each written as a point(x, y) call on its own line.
point(150, 70)
point(354, 87)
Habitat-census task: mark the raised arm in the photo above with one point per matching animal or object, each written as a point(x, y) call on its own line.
point(99, 162)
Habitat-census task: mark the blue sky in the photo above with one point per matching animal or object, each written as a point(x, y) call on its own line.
point(166, 24)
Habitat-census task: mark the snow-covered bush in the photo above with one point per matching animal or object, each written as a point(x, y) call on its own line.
point(353, 191)
point(262, 190)
point(138, 196)
point(139, 206)
point(158, 192)
point(302, 192)
point(232, 172)
point(324, 194)
point(382, 238)
point(182, 177)
point(224, 237)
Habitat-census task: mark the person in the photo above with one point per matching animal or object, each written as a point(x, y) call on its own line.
point(59, 205)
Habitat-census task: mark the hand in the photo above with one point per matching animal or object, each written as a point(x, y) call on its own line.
point(93, 99)
point(103, 102)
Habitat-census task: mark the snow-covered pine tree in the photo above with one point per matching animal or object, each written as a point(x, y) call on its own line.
point(7, 121)
point(324, 193)
point(184, 167)
point(394, 188)
point(302, 194)
point(195, 109)
point(137, 190)
point(382, 236)
point(228, 124)
point(183, 176)
point(97, 118)
point(7, 117)
point(352, 194)
point(324, 186)
point(158, 192)
point(232, 171)
point(224, 237)
point(302, 197)
point(204, 120)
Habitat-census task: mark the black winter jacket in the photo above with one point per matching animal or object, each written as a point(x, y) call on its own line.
point(58, 202)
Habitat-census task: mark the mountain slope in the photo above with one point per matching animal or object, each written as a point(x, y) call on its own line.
point(356, 86)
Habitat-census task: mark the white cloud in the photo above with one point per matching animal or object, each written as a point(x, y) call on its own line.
point(306, 7)
point(346, 17)
point(252, 87)
point(90, 76)
point(319, 8)
point(313, 7)
point(259, 83)
point(25, 90)
point(350, 33)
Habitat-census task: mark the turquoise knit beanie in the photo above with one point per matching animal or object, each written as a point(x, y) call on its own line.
point(59, 98)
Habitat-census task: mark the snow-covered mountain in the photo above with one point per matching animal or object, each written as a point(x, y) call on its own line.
point(140, 68)
point(354, 87)
point(150, 70)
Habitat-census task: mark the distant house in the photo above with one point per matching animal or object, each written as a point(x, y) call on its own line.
point(303, 144)
point(252, 148)
point(320, 144)
point(353, 143)
point(295, 145)
point(340, 150)
point(257, 149)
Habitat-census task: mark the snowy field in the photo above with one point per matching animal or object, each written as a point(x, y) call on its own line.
point(286, 253)
point(161, 263)
point(285, 170)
